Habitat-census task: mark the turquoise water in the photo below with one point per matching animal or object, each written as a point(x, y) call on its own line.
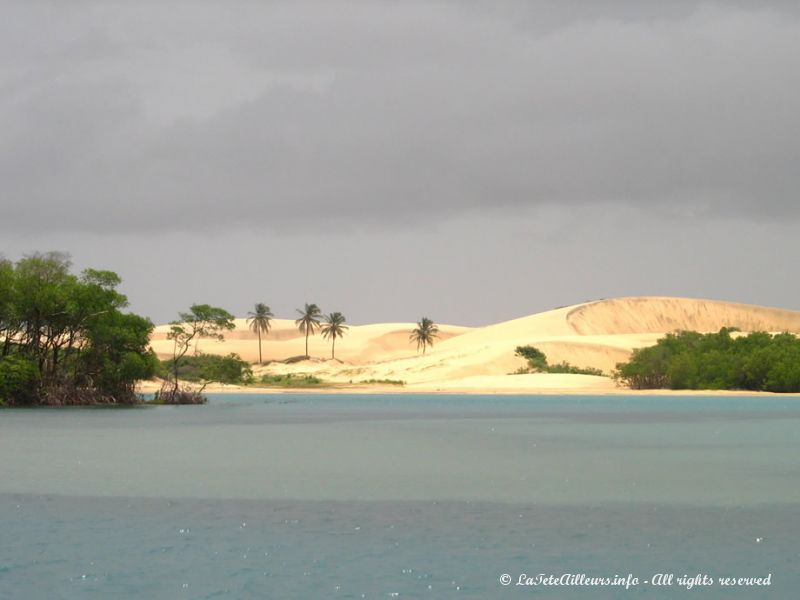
point(406, 496)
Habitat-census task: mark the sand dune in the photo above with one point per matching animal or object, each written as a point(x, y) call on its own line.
point(596, 334)
point(362, 344)
point(660, 315)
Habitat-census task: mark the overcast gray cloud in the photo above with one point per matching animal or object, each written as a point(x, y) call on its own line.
point(195, 115)
point(469, 160)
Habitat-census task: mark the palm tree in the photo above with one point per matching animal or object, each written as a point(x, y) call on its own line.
point(259, 323)
point(424, 333)
point(308, 321)
point(333, 328)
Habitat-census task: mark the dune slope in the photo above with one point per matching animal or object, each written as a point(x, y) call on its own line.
point(662, 315)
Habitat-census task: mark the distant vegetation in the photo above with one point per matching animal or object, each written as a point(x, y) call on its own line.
point(309, 321)
point(303, 380)
point(201, 321)
point(716, 361)
point(424, 334)
point(333, 327)
point(64, 338)
point(259, 322)
point(537, 363)
point(206, 368)
point(565, 367)
point(291, 381)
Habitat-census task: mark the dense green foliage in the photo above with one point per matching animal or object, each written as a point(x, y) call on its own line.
point(565, 367)
point(292, 381)
point(383, 381)
point(537, 363)
point(18, 380)
point(65, 339)
point(716, 361)
point(209, 367)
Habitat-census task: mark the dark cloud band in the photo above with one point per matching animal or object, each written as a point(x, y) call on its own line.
point(120, 118)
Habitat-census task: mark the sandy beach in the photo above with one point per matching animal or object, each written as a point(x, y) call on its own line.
point(481, 360)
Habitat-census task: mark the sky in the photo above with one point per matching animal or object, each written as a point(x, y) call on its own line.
point(466, 161)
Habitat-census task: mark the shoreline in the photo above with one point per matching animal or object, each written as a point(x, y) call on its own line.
point(345, 389)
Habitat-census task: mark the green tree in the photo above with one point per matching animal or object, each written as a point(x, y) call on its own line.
point(8, 321)
point(259, 321)
point(116, 353)
point(65, 339)
point(424, 334)
point(44, 287)
point(202, 321)
point(537, 360)
point(309, 321)
point(690, 360)
point(333, 328)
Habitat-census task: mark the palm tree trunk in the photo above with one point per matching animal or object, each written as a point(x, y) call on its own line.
point(306, 342)
point(333, 348)
point(259, 347)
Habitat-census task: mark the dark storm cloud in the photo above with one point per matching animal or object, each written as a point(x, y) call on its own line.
point(201, 115)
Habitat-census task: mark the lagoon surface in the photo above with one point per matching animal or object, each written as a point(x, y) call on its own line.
point(405, 496)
